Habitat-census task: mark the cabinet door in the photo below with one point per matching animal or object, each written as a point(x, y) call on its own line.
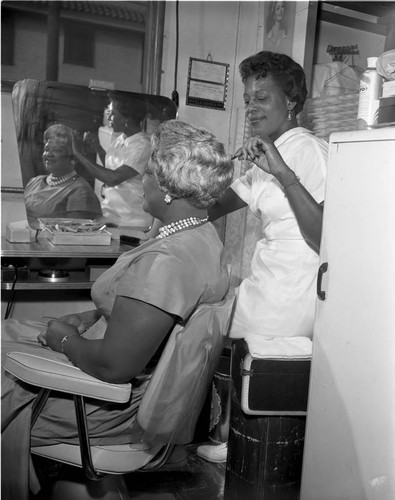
point(350, 432)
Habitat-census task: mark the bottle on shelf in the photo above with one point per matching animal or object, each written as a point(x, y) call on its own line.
point(370, 90)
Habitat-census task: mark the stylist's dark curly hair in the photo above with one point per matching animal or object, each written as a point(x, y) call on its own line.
point(130, 106)
point(288, 74)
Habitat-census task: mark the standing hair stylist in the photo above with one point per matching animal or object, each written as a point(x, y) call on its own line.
point(124, 162)
point(284, 189)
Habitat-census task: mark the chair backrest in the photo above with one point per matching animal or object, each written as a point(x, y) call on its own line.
point(175, 395)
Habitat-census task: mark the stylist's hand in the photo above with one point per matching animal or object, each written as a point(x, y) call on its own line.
point(262, 152)
point(55, 332)
point(77, 144)
point(91, 140)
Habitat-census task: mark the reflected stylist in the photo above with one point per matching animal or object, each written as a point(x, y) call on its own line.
point(124, 163)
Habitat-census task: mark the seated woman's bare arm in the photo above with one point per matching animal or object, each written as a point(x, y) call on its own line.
point(135, 330)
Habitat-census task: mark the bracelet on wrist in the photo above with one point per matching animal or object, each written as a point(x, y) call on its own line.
point(295, 181)
point(64, 340)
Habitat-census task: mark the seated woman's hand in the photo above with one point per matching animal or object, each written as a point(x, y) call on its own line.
point(54, 334)
point(74, 320)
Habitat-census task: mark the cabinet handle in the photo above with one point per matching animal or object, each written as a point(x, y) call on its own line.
point(323, 269)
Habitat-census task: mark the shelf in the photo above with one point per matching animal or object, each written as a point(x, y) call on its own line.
point(44, 248)
point(76, 281)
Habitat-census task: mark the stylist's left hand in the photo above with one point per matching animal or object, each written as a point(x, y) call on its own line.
point(56, 331)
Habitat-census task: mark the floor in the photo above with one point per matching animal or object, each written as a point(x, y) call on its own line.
point(197, 480)
point(200, 480)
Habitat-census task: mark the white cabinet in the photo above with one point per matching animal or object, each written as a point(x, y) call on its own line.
point(350, 432)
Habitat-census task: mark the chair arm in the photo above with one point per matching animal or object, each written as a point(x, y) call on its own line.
point(64, 377)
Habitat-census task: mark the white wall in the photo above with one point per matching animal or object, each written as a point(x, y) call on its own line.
point(226, 30)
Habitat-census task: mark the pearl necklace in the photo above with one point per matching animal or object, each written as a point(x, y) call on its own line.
point(178, 225)
point(55, 181)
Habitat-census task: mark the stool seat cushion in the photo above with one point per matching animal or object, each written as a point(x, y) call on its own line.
point(270, 386)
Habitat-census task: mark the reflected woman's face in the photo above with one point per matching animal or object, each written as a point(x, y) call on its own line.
point(116, 120)
point(57, 159)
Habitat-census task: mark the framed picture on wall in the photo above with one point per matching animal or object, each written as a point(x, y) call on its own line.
point(207, 83)
point(279, 23)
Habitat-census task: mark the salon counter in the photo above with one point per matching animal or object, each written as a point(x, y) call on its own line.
point(44, 248)
point(41, 253)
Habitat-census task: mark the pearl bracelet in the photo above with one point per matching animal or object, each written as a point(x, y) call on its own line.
point(296, 180)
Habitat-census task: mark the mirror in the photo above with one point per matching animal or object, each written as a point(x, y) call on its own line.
point(58, 183)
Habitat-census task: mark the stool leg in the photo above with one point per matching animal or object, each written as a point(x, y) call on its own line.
point(264, 456)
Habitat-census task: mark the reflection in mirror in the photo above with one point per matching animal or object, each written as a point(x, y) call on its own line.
point(83, 151)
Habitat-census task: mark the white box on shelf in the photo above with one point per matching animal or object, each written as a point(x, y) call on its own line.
point(18, 232)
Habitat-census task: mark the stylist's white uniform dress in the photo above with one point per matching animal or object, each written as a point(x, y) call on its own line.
point(278, 298)
point(123, 203)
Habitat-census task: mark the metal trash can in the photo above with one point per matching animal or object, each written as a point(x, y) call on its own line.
point(265, 453)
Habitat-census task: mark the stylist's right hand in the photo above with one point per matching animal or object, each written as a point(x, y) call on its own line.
point(262, 151)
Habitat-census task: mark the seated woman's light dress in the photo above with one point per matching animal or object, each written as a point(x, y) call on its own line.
point(278, 298)
point(73, 196)
point(174, 274)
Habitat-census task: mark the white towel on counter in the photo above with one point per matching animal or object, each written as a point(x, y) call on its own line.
point(279, 347)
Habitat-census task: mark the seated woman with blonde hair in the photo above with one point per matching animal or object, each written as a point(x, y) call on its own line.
point(138, 301)
point(61, 192)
